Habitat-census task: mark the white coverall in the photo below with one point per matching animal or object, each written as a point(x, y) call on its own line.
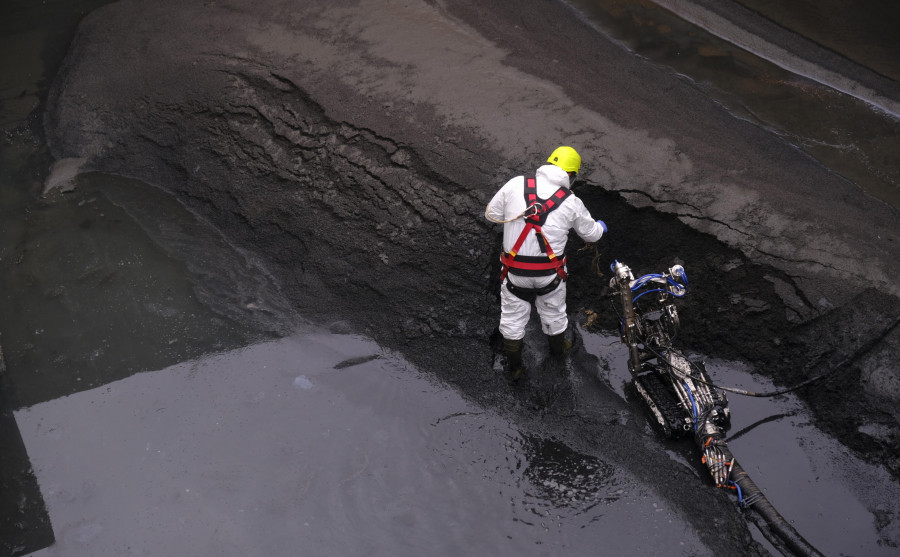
point(570, 214)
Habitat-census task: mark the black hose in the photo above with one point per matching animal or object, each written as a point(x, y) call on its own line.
point(755, 500)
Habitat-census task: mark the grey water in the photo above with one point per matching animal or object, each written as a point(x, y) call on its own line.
point(329, 442)
point(117, 278)
point(279, 446)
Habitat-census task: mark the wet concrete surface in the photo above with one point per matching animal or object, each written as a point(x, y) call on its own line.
point(326, 145)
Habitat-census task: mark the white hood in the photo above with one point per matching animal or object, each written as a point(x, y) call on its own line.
point(554, 175)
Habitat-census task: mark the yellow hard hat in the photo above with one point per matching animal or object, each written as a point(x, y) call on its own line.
point(566, 158)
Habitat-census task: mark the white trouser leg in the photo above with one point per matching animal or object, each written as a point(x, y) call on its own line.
point(514, 314)
point(552, 309)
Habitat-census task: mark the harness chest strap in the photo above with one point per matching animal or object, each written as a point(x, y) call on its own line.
point(540, 264)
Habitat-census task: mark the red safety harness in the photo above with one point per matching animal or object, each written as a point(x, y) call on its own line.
point(541, 265)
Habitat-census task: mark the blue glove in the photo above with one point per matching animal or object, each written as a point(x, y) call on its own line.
point(602, 225)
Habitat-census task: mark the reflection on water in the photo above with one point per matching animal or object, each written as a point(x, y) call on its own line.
point(845, 134)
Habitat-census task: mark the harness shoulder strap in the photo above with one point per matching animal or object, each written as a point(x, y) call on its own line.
point(542, 207)
point(534, 222)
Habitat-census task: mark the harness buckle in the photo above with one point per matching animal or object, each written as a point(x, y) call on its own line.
point(534, 209)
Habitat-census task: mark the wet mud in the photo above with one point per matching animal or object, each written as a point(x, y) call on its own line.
point(357, 176)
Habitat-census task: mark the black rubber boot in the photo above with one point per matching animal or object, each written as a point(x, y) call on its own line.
point(513, 351)
point(559, 344)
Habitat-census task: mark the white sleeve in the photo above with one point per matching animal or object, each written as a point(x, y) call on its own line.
point(585, 226)
point(496, 209)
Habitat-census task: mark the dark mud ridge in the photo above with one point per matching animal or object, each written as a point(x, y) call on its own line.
point(311, 143)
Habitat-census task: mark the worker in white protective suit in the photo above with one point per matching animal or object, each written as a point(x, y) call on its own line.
point(537, 213)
